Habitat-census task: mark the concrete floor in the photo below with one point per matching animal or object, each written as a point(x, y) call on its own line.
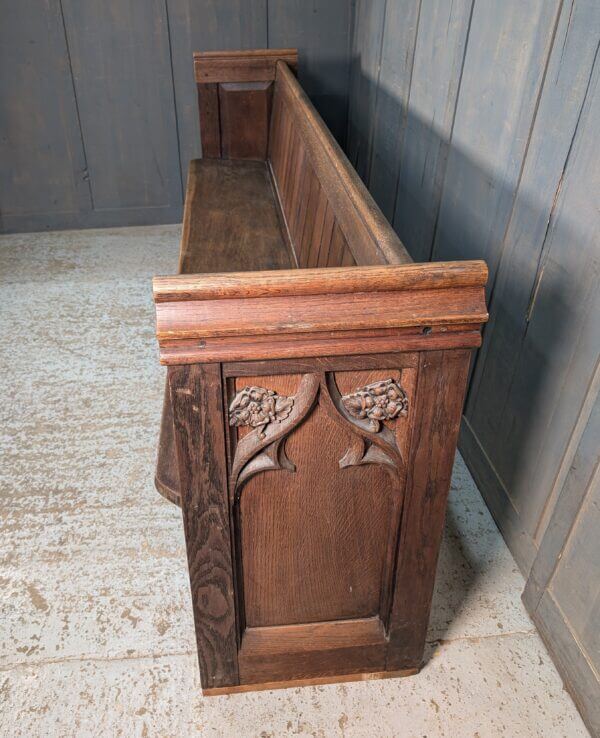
point(96, 635)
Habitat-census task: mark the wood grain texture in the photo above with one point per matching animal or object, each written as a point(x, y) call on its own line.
point(210, 123)
point(244, 112)
point(313, 313)
point(213, 240)
point(206, 25)
point(326, 363)
point(498, 161)
point(335, 518)
point(324, 343)
point(196, 398)
point(253, 65)
point(369, 236)
point(166, 478)
point(328, 568)
point(230, 219)
point(441, 387)
point(312, 636)
point(316, 281)
point(311, 682)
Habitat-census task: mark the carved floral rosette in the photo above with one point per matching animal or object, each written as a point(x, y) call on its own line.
point(376, 402)
point(257, 407)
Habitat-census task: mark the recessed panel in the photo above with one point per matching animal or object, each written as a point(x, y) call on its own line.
point(317, 544)
point(244, 109)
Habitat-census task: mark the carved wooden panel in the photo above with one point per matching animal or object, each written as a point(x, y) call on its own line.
point(317, 497)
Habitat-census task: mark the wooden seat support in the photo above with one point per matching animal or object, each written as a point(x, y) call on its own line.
point(311, 414)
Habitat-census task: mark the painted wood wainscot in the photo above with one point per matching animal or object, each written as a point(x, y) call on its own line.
point(316, 378)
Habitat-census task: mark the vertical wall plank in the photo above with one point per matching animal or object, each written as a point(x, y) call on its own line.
point(503, 71)
point(541, 345)
point(125, 99)
point(364, 75)
point(559, 350)
point(578, 483)
point(562, 592)
point(391, 100)
point(43, 163)
point(319, 29)
point(438, 59)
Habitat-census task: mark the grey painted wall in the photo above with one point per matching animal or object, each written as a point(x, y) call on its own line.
point(98, 114)
point(475, 125)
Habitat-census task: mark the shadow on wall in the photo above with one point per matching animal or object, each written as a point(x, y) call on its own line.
point(330, 99)
point(508, 401)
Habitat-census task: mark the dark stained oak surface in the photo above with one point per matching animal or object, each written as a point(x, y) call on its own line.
point(230, 221)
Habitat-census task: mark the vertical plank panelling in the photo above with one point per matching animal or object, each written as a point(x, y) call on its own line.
point(326, 238)
point(207, 25)
point(299, 195)
point(503, 71)
point(364, 74)
point(558, 353)
point(114, 81)
point(308, 228)
point(391, 100)
point(125, 99)
point(312, 258)
point(302, 210)
point(538, 353)
point(336, 248)
point(578, 482)
point(43, 171)
point(319, 29)
point(438, 58)
point(562, 593)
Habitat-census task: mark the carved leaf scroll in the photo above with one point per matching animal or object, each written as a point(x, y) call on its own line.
point(376, 444)
point(265, 450)
point(257, 407)
point(376, 402)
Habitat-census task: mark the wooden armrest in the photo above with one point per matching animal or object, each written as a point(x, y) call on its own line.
point(315, 312)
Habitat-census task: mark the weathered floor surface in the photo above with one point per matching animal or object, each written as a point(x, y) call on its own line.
point(96, 635)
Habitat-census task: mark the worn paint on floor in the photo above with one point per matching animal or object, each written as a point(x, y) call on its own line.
point(96, 633)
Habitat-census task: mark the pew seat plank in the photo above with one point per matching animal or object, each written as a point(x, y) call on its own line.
point(231, 221)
